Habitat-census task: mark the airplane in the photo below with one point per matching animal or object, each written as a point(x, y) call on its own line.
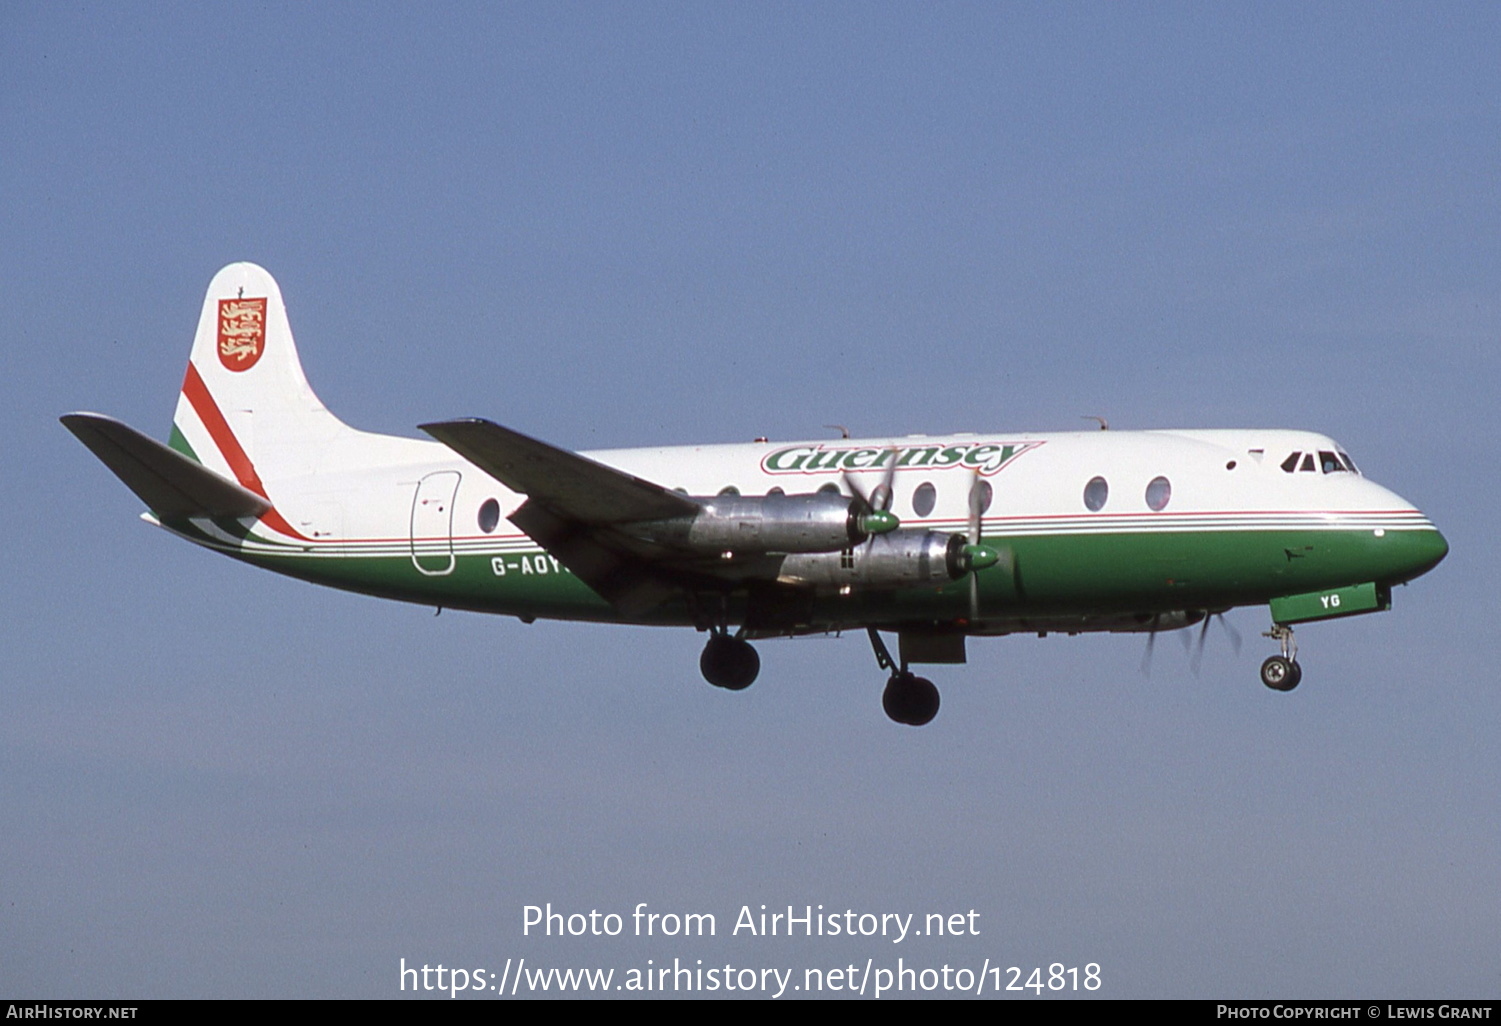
point(933, 539)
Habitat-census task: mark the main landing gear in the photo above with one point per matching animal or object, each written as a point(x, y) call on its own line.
point(729, 662)
point(908, 698)
point(1282, 672)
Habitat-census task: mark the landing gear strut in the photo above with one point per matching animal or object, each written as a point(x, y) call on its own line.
point(908, 698)
point(1282, 673)
point(729, 662)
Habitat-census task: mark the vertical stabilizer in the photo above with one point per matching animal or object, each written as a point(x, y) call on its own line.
point(246, 410)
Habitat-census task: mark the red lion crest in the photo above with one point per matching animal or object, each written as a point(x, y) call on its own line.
point(242, 332)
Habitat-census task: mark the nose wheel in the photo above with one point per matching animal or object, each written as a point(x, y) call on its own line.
point(1282, 672)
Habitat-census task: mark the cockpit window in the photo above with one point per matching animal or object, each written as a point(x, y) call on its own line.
point(1328, 462)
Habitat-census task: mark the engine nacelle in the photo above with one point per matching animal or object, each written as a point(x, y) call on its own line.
point(901, 559)
point(822, 522)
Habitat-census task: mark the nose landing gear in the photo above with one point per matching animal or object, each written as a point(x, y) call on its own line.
point(1282, 673)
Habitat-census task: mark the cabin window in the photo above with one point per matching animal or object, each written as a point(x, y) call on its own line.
point(1291, 463)
point(489, 515)
point(776, 491)
point(830, 489)
point(924, 499)
point(987, 494)
point(729, 490)
point(1159, 492)
point(1096, 493)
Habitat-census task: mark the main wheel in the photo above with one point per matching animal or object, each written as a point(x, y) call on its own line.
point(1281, 674)
point(729, 663)
point(910, 699)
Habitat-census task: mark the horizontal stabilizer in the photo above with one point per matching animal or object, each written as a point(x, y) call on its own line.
point(571, 485)
point(169, 483)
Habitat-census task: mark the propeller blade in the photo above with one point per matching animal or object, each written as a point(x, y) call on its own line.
point(976, 555)
point(1230, 630)
point(879, 499)
point(1198, 657)
point(854, 486)
point(1146, 659)
point(976, 508)
point(883, 494)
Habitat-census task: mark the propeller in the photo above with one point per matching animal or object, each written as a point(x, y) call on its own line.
point(1198, 656)
point(1193, 648)
point(876, 517)
point(973, 557)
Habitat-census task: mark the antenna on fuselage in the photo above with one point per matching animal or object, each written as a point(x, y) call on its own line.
point(1104, 424)
point(844, 432)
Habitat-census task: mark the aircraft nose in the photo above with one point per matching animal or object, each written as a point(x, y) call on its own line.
point(1417, 552)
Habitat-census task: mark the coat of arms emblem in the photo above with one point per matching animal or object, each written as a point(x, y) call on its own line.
point(242, 332)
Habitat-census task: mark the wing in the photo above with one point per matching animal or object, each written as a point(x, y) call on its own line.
point(573, 508)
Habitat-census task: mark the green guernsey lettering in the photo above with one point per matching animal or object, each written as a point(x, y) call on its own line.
point(986, 457)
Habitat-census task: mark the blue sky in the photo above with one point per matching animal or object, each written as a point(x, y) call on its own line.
point(657, 224)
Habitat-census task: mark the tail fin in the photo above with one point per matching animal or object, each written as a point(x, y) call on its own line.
point(246, 410)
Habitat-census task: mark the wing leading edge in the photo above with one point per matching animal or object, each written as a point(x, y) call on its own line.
point(571, 485)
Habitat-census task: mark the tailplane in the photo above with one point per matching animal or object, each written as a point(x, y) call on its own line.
point(171, 485)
